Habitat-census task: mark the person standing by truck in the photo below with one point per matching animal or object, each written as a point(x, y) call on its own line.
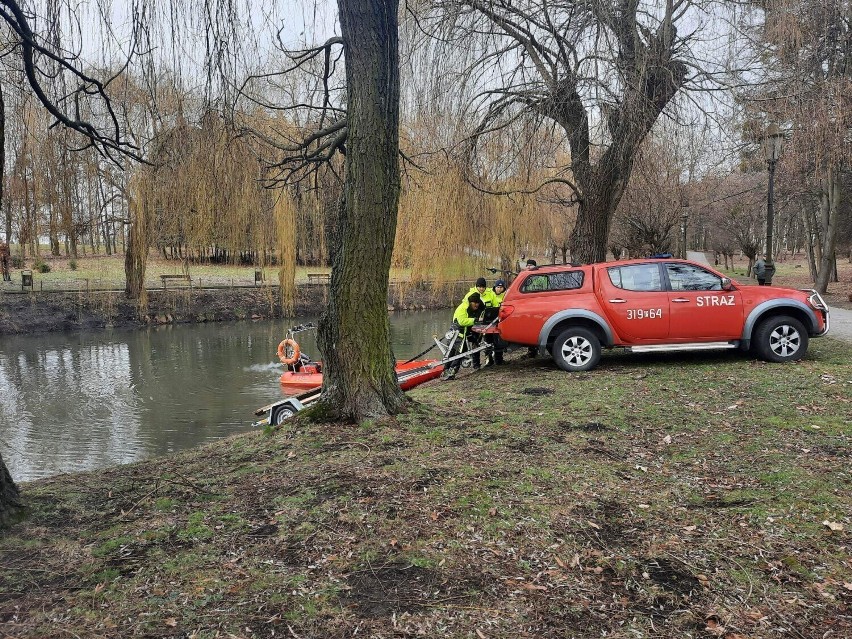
point(481, 288)
point(492, 306)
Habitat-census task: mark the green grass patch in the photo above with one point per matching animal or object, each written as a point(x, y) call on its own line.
point(619, 502)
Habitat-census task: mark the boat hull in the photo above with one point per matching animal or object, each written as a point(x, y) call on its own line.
point(295, 382)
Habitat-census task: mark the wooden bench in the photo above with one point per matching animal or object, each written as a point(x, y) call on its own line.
point(166, 278)
point(319, 278)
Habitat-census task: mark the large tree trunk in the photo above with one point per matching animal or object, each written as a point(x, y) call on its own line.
point(601, 196)
point(10, 498)
point(359, 380)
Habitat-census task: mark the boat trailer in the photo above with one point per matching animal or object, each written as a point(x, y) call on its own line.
point(278, 412)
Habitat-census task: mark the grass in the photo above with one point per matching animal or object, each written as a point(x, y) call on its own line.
point(657, 496)
point(107, 272)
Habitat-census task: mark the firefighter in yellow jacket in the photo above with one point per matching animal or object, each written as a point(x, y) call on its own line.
point(463, 319)
point(493, 299)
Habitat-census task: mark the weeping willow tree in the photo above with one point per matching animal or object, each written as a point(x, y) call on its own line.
point(285, 230)
point(448, 229)
point(204, 198)
point(453, 224)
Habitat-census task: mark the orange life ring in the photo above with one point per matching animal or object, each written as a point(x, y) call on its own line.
point(282, 351)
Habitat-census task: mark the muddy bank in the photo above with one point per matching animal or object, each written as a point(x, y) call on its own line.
point(42, 312)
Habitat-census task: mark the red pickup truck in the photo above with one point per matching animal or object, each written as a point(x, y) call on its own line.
point(648, 305)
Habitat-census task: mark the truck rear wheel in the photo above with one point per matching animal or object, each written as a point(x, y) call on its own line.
point(781, 339)
point(576, 349)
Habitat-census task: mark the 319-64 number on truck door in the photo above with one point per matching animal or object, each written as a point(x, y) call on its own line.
point(644, 313)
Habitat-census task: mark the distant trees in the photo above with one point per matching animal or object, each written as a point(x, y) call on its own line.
point(66, 92)
point(652, 204)
point(808, 88)
point(600, 72)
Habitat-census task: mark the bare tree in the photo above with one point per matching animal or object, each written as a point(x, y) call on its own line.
point(43, 58)
point(358, 119)
point(808, 87)
point(651, 206)
point(601, 71)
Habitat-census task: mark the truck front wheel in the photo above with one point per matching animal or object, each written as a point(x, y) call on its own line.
point(576, 349)
point(781, 339)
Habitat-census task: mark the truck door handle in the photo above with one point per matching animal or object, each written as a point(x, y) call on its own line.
point(680, 300)
point(618, 300)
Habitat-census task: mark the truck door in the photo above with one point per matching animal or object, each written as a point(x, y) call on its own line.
point(635, 301)
point(700, 309)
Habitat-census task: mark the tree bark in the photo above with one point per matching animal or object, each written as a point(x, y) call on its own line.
point(594, 219)
point(809, 242)
point(830, 204)
point(6, 209)
point(10, 497)
point(136, 254)
point(359, 381)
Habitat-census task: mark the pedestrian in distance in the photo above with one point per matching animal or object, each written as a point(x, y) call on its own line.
point(760, 271)
point(5, 256)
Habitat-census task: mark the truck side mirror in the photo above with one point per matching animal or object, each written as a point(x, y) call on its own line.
point(727, 284)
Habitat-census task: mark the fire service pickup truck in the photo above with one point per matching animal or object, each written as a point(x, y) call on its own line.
point(649, 305)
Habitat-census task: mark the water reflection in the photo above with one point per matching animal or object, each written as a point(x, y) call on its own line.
point(72, 402)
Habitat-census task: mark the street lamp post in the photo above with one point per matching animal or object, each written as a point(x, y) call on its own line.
point(772, 148)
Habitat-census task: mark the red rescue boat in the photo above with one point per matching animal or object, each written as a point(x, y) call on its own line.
point(308, 376)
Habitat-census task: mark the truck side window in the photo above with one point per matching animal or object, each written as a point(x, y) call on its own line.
point(636, 277)
point(566, 280)
point(561, 281)
point(686, 277)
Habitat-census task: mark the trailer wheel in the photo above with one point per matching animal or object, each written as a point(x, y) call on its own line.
point(280, 414)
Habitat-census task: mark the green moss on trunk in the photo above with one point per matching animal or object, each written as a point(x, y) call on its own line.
point(354, 336)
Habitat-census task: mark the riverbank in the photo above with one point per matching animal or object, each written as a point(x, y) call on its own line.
point(684, 495)
point(28, 313)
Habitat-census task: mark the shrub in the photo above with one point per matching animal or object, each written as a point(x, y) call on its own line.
point(17, 261)
point(72, 264)
point(41, 266)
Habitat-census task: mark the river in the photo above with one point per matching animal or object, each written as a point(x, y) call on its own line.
point(81, 401)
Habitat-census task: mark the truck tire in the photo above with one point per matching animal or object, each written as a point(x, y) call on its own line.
point(576, 349)
point(780, 339)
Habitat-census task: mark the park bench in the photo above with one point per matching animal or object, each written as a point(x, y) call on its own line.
point(319, 278)
point(166, 278)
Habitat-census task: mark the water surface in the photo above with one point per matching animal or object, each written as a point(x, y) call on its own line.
point(81, 401)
